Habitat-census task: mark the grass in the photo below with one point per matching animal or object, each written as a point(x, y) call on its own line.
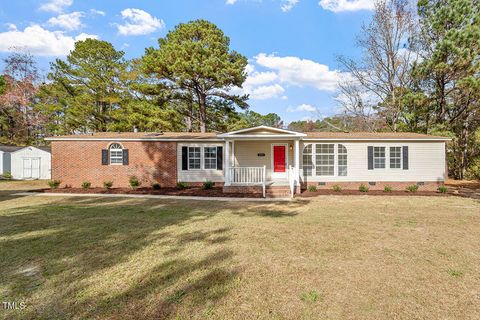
point(331, 257)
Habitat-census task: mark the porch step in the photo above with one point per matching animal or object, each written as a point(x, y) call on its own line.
point(277, 191)
point(271, 191)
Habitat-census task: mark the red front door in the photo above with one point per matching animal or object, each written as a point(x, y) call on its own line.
point(279, 163)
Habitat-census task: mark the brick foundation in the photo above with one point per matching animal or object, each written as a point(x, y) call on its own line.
point(400, 186)
point(74, 162)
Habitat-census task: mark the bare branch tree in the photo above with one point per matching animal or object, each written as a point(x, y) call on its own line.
point(385, 63)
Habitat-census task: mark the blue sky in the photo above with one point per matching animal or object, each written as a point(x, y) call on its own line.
point(291, 45)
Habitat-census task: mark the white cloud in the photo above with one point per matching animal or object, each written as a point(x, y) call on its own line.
point(266, 92)
point(138, 22)
point(84, 36)
point(39, 41)
point(98, 12)
point(260, 85)
point(300, 72)
point(56, 5)
point(69, 21)
point(302, 108)
point(288, 5)
point(347, 5)
point(230, 1)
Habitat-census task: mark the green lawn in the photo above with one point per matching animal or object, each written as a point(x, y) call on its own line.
point(331, 257)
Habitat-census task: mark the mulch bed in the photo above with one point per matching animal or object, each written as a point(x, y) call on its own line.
point(309, 194)
point(192, 191)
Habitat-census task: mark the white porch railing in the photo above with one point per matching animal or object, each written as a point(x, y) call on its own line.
point(291, 180)
point(248, 176)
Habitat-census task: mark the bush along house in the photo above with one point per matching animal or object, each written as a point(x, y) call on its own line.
point(256, 160)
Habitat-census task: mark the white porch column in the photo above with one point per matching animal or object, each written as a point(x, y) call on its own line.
point(226, 160)
point(296, 162)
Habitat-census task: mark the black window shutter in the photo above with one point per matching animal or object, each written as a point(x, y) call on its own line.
point(104, 157)
point(219, 158)
point(405, 157)
point(184, 158)
point(125, 157)
point(370, 158)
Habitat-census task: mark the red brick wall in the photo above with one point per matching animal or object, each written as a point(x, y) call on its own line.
point(74, 162)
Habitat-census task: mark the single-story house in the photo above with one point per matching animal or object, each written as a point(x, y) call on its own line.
point(252, 160)
point(25, 162)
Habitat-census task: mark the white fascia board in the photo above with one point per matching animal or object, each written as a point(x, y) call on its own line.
point(263, 137)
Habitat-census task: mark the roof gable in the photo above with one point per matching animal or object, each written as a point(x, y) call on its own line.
point(261, 131)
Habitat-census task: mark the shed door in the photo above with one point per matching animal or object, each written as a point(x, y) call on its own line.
point(27, 168)
point(31, 168)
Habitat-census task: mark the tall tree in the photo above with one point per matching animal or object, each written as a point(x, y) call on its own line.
point(19, 121)
point(251, 118)
point(195, 64)
point(92, 83)
point(449, 73)
point(378, 79)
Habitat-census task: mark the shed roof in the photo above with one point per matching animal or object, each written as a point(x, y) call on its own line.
point(6, 148)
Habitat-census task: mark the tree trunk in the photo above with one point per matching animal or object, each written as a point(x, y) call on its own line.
point(202, 104)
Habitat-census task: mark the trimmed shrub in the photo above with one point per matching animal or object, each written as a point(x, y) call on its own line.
point(363, 188)
point(312, 188)
point(182, 185)
point(54, 184)
point(412, 188)
point(108, 184)
point(442, 189)
point(207, 185)
point(156, 186)
point(134, 182)
point(7, 175)
point(387, 189)
point(337, 188)
point(86, 185)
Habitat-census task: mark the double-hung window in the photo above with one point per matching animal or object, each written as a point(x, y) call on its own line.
point(342, 160)
point(307, 158)
point(395, 157)
point(210, 157)
point(325, 159)
point(379, 157)
point(194, 159)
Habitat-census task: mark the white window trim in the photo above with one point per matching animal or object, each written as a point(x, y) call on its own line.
point(386, 152)
point(110, 154)
point(390, 159)
point(334, 161)
point(203, 156)
point(188, 158)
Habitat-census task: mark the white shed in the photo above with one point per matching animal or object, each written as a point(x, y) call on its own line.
point(25, 162)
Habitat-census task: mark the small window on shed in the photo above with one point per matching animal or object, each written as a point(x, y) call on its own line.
point(116, 153)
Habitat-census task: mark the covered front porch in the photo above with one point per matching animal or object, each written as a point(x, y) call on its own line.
point(262, 159)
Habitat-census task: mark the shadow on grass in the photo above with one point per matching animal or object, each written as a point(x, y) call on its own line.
point(60, 245)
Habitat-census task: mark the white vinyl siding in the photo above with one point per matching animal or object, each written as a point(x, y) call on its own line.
point(426, 162)
point(247, 154)
point(198, 175)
